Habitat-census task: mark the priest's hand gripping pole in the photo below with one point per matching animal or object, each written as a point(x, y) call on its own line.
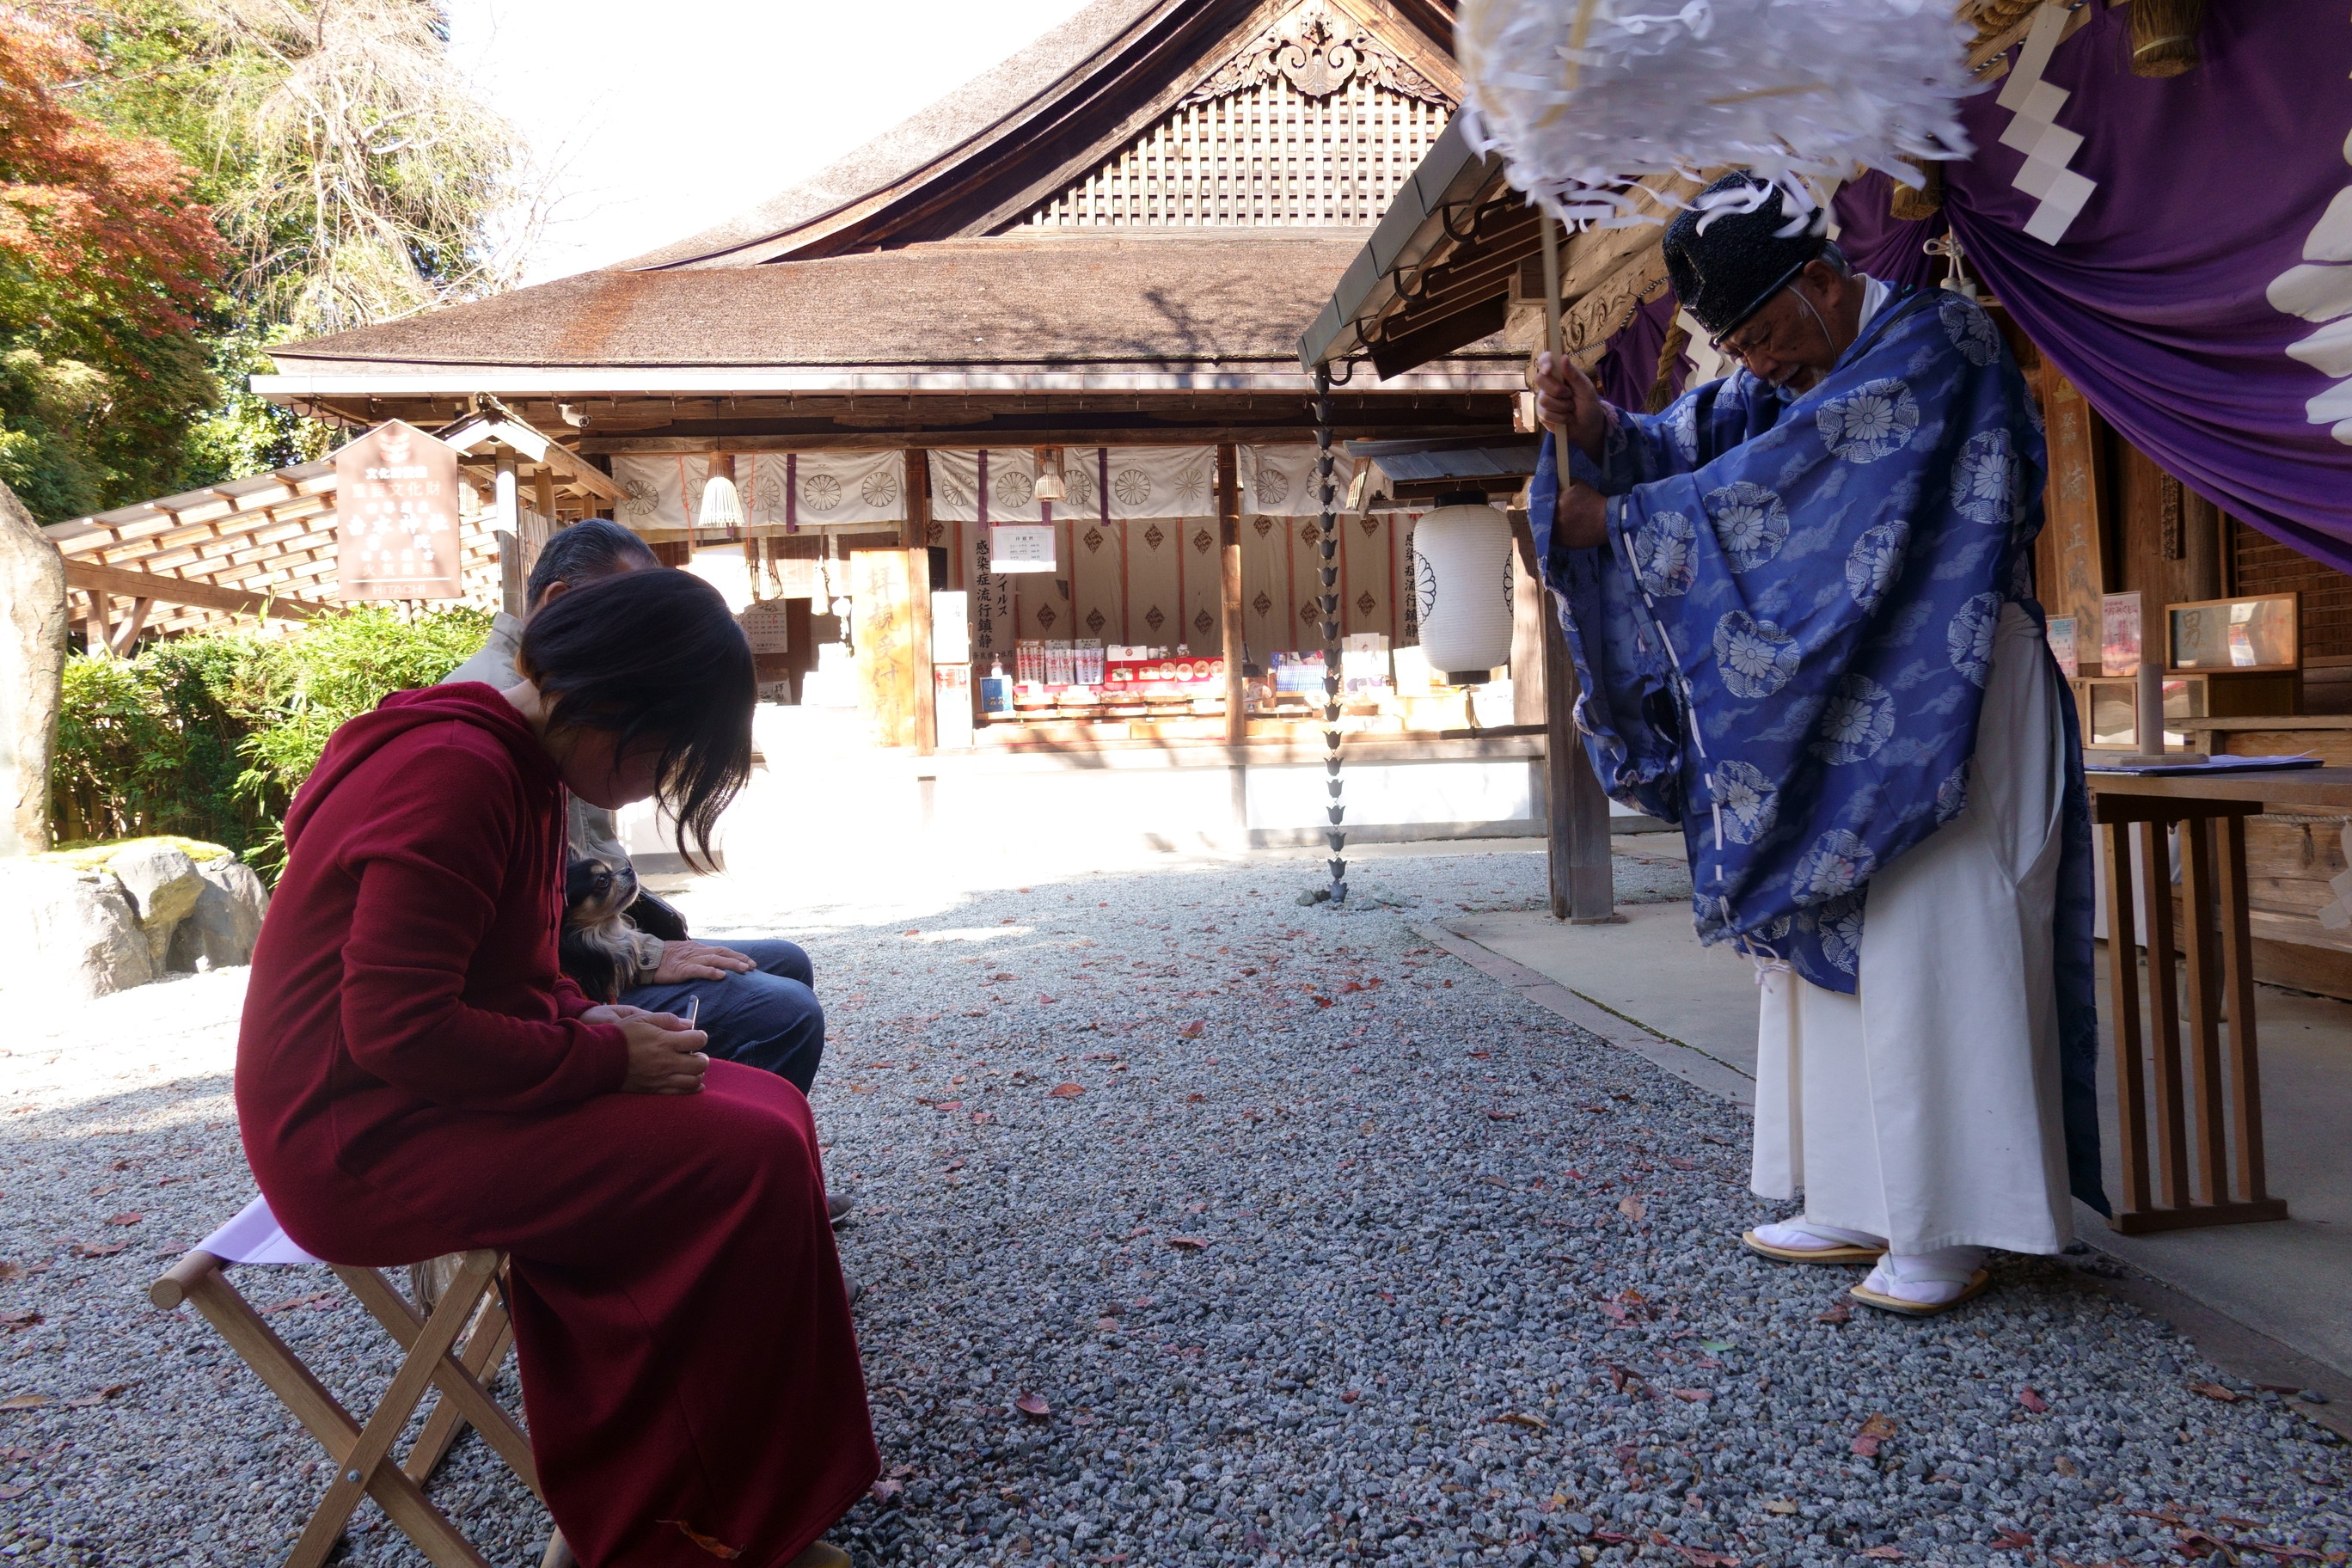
point(1332, 676)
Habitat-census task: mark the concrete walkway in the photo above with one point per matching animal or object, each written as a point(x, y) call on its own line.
point(2290, 1283)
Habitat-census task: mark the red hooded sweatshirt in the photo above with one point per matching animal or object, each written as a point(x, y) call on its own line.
point(409, 958)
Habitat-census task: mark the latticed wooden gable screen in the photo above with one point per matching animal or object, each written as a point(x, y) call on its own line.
point(1266, 157)
point(1314, 123)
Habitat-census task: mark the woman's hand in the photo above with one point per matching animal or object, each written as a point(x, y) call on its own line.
point(1567, 400)
point(665, 1056)
point(610, 1013)
point(685, 961)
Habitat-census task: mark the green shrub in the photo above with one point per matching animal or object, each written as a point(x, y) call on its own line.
point(209, 736)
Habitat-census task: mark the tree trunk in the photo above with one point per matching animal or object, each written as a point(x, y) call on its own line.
point(32, 666)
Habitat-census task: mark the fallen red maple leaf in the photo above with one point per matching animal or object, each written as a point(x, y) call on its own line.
point(1189, 1243)
point(2033, 1400)
point(2013, 1540)
point(1875, 1431)
point(1033, 1406)
point(1065, 1091)
point(715, 1547)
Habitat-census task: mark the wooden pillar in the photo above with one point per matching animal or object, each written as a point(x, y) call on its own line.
point(915, 537)
point(506, 527)
point(1229, 535)
point(1583, 878)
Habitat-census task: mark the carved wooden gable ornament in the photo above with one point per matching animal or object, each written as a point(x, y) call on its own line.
point(1317, 49)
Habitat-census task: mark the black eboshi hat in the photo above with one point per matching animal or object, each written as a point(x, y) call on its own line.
point(1724, 264)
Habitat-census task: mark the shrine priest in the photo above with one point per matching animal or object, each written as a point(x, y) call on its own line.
point(1801, 603)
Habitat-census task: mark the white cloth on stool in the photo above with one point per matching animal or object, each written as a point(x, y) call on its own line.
point(1925, 1108)
point(254, 1236)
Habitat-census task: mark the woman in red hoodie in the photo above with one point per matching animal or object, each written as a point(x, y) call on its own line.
point(415, 1077)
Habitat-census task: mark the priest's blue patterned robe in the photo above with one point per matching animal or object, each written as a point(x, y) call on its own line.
point(1783, 647)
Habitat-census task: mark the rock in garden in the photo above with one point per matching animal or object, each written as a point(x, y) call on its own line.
point(220, 931)
point(68, 933)
point(32, 660)
point(164, 886)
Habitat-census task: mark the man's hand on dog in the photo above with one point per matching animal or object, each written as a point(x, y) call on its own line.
point(665, 1056)
point(685, 961)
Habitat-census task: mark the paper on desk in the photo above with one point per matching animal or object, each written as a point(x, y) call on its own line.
point(2219, 765)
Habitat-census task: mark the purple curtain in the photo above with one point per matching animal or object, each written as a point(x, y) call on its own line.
point(2212, 189)
point(1889, 248)
point(1629, 366)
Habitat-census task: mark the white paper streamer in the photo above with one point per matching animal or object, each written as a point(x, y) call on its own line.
point(1794, 89)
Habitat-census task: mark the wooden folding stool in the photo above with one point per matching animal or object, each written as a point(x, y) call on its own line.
point(463, 1339)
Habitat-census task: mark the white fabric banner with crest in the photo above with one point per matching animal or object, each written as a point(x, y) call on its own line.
point(783, 492)
point(1281, 481)
point(1114, 484)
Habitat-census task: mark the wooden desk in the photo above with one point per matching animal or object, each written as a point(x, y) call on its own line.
point(2220, 1179)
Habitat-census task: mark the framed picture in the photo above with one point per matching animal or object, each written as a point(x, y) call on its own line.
point(2119, 634)
point(2264, 632)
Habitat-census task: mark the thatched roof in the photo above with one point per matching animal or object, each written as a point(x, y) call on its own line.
point(1151, 304)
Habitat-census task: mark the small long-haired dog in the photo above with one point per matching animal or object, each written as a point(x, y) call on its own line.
point(600, 949)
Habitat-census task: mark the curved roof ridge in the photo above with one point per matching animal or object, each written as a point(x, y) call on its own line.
point(964, 115)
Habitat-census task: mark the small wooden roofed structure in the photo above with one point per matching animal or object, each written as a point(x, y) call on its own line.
point(265, 546)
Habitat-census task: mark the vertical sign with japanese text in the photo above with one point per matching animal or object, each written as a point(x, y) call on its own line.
point(396, 517)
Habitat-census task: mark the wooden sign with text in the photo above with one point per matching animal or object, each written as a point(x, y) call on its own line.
point(396, 517)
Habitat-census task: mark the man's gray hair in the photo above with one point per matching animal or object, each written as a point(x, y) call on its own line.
point(593, 548)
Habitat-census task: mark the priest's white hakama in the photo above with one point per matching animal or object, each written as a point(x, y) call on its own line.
point(1925, 1108)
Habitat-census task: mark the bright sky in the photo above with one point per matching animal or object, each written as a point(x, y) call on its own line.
point(668, 118)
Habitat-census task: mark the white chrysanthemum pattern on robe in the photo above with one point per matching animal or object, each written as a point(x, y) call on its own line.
point(1985, 480)
point(1971, 329)
point(1841, 929)
point(1751, 801)
point(1757, 657)
point(1859, 720)
point(1969, 639)
point(1876, 561)
point(1875, 420)
point(1952, 794)
point(1682, 425)
point(1666, 553)
point(1750, 522)
point(1837, 863)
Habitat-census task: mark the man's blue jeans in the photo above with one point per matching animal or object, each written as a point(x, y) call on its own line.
point(765, 1018)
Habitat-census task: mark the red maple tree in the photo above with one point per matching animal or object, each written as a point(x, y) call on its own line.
point(98, 228)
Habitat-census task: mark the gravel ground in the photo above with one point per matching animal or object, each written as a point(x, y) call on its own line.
point(1197, 1227)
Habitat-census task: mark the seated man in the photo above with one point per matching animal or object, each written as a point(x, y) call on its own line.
point(757, 999)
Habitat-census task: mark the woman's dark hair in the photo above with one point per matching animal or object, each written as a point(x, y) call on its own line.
point(592, 548)
point(655, 658)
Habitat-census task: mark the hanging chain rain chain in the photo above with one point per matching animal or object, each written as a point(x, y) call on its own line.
point(1333, 674)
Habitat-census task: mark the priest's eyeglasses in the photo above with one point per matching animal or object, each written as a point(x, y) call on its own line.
point(1739, 344)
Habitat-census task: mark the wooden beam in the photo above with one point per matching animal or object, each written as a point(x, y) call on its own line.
point(90, 576)
point(1408, 422)
point(126, 636)
point(916, 539)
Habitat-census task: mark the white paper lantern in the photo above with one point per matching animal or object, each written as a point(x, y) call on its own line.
point(1584, 97)
point(722, 504)
point(1462, 571)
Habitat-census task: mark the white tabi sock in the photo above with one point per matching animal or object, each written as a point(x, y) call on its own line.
point(1808, 1236)
point(1930, 1279)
